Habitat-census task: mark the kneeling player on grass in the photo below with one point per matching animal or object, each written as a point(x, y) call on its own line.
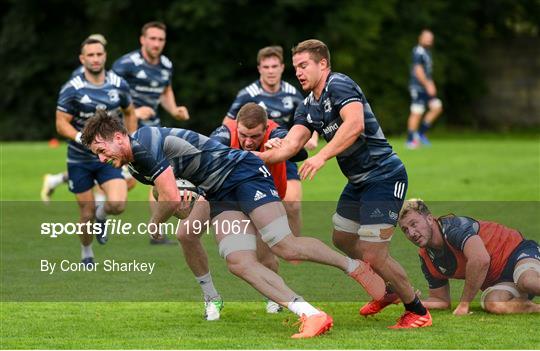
point(248, 132)
point(488, 255)
point(241, 194)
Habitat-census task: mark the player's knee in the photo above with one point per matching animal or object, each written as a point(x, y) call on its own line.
point(239, 265)
point(87, 211)
point(496, 307)
point(529, 282)
point(115, 207)
point(293, 208)
point(375, 258)
point(185, 236)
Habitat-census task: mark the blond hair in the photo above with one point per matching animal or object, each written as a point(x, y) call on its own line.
point(416, 205)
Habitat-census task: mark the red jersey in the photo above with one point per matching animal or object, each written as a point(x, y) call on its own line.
point(278, 170)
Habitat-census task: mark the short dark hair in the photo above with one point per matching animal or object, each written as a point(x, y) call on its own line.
point(252, 115)
point(153, 24)
point(103, 125)
point(270, 51)
point(89, 41)
point(317, 50)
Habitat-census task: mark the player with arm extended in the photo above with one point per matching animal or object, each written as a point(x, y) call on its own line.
point(249, 132)
point(368, 207)
point(52, 180)
point(79, 99)
point(280, 99)
point(487, 255)
point(149, 75)
point(243, 203)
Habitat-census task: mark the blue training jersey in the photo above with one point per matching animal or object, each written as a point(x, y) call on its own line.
point(192, 156)
point(370, 157)
point(280, 106)
point(420, 56)
point(146, 81)
point(82, 99)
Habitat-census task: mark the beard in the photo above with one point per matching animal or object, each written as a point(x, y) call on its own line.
point(95, 71)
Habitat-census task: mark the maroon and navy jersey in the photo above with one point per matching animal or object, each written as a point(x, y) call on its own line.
point(450, 262)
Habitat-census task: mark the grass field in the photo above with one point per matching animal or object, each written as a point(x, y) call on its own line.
point(489, 177)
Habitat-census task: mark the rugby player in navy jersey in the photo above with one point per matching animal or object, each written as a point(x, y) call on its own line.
point(280, 99)
point(423, 92)
point(249, 131)
point(489, 256)
point(369, 205)
point(79, 99)
point(243, 203)
point(149, 75)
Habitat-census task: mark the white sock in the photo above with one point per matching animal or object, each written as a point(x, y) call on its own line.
point(299, 307)
point(55, 180)
point(100, 211)
point(86, 251)
point(99, 197)
point(351, 265)
point(207, 286)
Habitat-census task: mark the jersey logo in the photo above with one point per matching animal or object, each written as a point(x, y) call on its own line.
point(442, 269)
point(113, 95)
point(259, 195)
point(287, 102)
point(137, 59)
point(275, 114)
point(141, 74)
point(376, 213)
point(274, 193)
point(164, 74)
point(85, 99)
point(327, 105)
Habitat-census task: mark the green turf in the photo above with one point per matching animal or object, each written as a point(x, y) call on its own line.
point(491, 177)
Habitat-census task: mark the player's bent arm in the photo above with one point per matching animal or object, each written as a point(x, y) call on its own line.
point(168, 101)
point(169, 197)
point(64, 127)
point(291, 145)
point(130, 119)
point(476, 269)
point(439, 298)
point(352, 115)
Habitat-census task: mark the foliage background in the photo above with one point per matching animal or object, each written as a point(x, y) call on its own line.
point(213, 45)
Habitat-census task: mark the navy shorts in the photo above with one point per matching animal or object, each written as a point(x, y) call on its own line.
point(81, 176)
point(526, 249)
point(375, 202)
point(419, 96)
point(247, 187)
point(292, 170)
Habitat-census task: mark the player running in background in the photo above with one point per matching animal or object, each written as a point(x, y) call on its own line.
point(423, 92)
point(79, 99)
point(369, 205)
point(149, 74)
point(489, 256)
point(240, 190)
point(280, 99)
point(249, 132)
